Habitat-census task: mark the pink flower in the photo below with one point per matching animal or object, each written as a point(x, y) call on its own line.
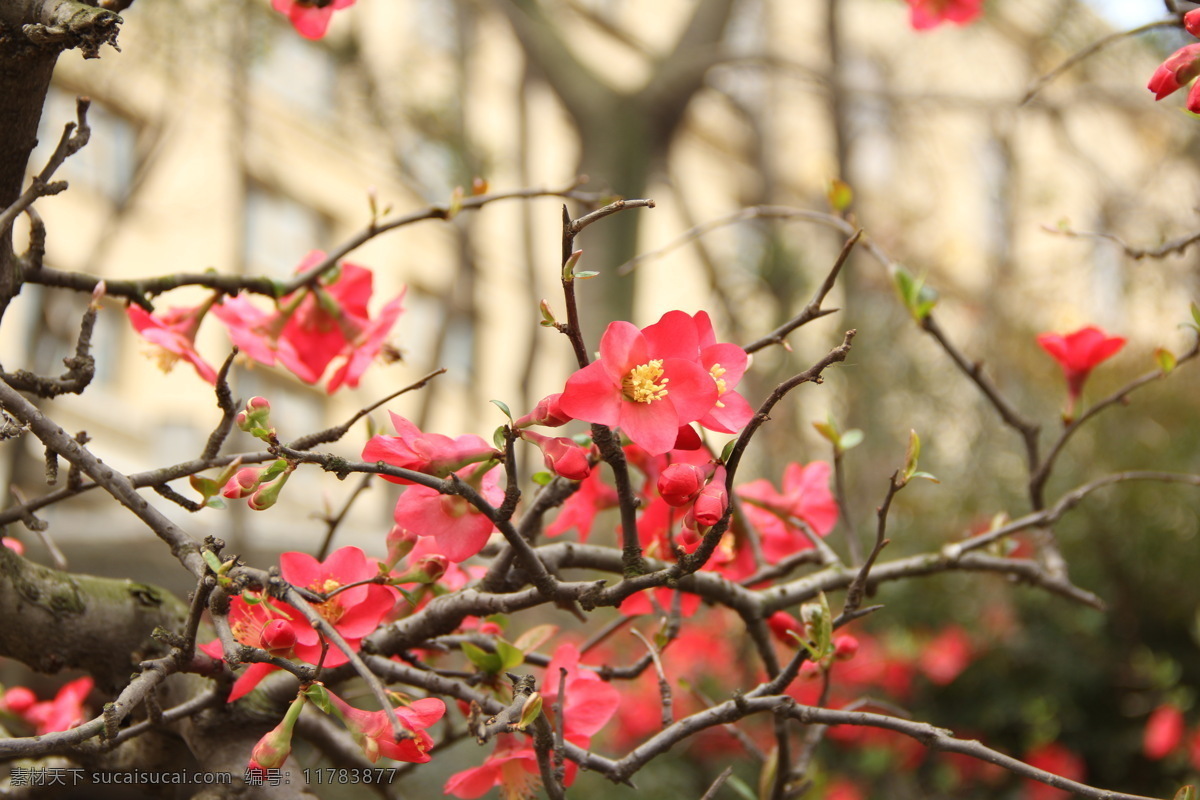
point(805, 497)
point(373, 731)
point(173, 334)
point(926, 14)
point(1180, 67)
point(459, 529)
point(1053, 757)
point(1164, 732)
point(725, 364)
point(354, 612)
point(430, 453)
point(547, 412)
point(309, 17)
point(62, 713)
point(512, 765)
point(641, 389)
point(589, 703)
point(581, 508)
point(312, 327)
point(1078, 354)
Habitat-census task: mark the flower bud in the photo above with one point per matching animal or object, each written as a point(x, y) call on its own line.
point(400, 542)
point(18, 700)
point(548, 413)
point(274, 748)
point(679, 484)
point(713, 500)
point(13, 544)
point(278, 638)
point(845, 647)
point(427, 569)
point(562, 456)
point(782, 625)
point(256, 419)
point(1191, 21)
point(242, 483)
point(267, 494)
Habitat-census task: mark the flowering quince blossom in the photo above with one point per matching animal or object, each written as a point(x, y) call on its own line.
point(309, 17)
point(373, 731)
point(173, 336)
point(1164, 732)
point(354, 613)
point(1053, 757)
point(638, 385)
point(946, 656)
point(926, 14)
point(430, 453)
point(805, 497)
point(1173, 74)
point(562, 456)
point(589, 703)
point(308, 332)
point(724, 362)
point(581, 508)
point(459, 528)
point(1078, 354)
point(62, 713)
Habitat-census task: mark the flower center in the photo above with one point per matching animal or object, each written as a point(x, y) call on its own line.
point(716, 371)
point(645, 383)
point(331, 610)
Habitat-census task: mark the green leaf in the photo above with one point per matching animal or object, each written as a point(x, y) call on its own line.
point(273, 471)
point(530, 711)
point(766, 778)
point(840, 195)
point(509, 655)
point(918, 298)
point(503, 407)
point(741, 787)
point(215, 502)
point(827, 430)
point(913, 455)
point(851, 439)
point(1186, 793)
point(498, 437)
point(1165, 359)
point(318, 695)
point(482, 659)
point(541, 478)
point(211, 559)
point(535, 637)
point(727, 450)
point(587, 273)
point(1196, 314)
point(205, 486)
point(924, 475)
point(568, 270)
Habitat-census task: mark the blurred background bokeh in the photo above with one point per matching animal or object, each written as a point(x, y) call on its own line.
point(223, 141)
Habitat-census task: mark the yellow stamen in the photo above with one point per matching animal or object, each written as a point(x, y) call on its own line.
point(645, 383)
point(716, 371)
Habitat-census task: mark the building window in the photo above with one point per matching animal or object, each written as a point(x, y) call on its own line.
point(279, 232)
point(301, 73)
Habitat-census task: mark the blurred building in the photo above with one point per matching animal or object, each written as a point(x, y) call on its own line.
point(221, 140)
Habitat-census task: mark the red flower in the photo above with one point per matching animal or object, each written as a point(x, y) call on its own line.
point(430, 453)
point(1053, 757)
point(513, 765)
point(1180, 67)
point(1164, 732)
point(373, 731)
point(725, 364)
point(312, 327)
point(589, 702)
point(640, 387)
point(581, 508)
point(679, 483)
point(354, 613)
point(926, 14)
point(1191, 21)
point(173, 334)
point(947, 655)
point(805, 497)
point(309, 18)
point(459, 529)
point(1078, 354)
point(62, 713)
